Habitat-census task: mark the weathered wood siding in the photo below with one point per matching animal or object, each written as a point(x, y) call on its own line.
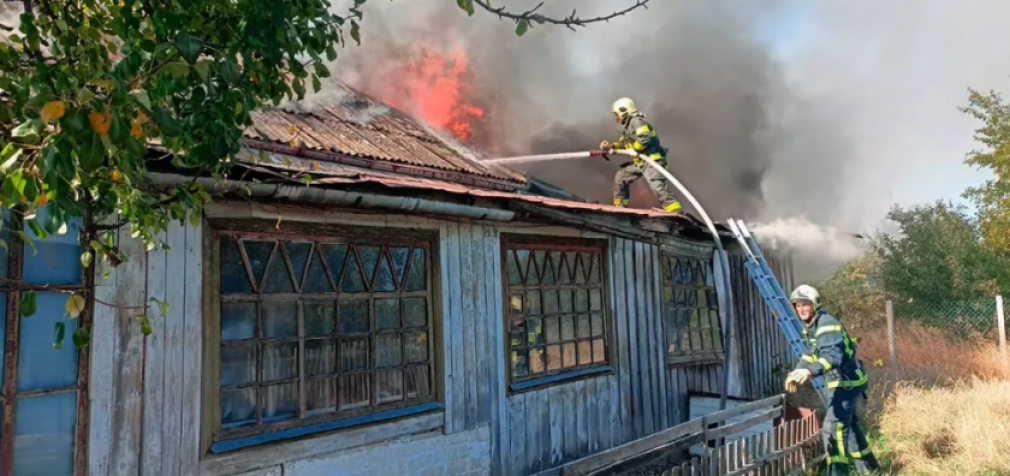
point(145, 403)
point(145, 406)
point(763, 347)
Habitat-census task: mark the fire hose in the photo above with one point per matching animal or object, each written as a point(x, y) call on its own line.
point(723, 258)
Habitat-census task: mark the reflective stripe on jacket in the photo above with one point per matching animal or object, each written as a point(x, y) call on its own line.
point(641, 137)
point(833, 353)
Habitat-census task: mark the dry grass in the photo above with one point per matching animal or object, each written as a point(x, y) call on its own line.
point(960, 429)
point(945, 410)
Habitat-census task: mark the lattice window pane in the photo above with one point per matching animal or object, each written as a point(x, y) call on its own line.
point(313, 330)
point(555, 299)
point(690, 310)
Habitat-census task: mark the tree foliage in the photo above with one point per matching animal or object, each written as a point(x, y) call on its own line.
point(993, 197)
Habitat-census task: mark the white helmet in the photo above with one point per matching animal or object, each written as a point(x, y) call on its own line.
point(623, 108)
point(806, 294)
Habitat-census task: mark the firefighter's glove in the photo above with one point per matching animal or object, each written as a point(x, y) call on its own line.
point(606, 145)
point(796, 378)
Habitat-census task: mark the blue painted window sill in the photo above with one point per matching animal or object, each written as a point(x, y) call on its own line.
point(528, 384)
point(255, 440)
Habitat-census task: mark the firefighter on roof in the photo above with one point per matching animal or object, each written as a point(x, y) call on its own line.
point(640, 137)
point(833, 356)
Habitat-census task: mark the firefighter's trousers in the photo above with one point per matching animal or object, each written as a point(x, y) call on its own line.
point(843, 437)
point(630, 172)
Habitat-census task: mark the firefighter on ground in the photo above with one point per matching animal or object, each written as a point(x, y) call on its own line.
point(833, 355)
point(640, 137)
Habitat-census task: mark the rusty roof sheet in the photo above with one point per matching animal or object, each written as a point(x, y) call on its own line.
point(350, 123)
point(334, 174)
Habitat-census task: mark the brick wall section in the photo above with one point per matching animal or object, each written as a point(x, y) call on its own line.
point(465, 453)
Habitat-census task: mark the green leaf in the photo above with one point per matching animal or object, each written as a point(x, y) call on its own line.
point(316, 84)
point(84, 95)
point(81, 337)
point(522, 26)
point(143, 99)
point(39, 100)
point(28, 304)
point(331, 53)
point(162, 306)
point(356, 32)
point(230, 72)
point(203, 68)
point(28, 131)
point(169, 126)
point(145, 324)
point(91, 153)
point(466, 5)
point(178, 69)
point(86, 258)
point(188, 46)
point(40, 232)
point(321, 70)
point(9, 160)
point(60, 330)
point(28, 241)
point(299, 87)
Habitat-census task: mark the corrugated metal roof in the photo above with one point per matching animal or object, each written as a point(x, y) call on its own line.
point(350, 123)
point(324, 173)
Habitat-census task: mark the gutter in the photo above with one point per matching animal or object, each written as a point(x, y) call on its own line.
point(342, 198)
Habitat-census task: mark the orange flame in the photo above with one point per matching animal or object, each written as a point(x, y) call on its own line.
point(432, 88)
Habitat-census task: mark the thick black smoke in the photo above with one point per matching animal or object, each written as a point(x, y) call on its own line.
point(693, 66)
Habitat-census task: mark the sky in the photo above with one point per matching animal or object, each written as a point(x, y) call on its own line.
point(906, 66)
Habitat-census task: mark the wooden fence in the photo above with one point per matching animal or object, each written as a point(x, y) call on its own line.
point(778, 452)
point(790, 448)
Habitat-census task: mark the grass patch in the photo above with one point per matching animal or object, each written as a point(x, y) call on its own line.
point(944, 412)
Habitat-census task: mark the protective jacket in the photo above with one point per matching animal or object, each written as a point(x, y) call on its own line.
point(833, 355)
point(641, 137)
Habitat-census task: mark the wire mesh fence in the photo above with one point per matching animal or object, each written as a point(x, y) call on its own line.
point(963, 318)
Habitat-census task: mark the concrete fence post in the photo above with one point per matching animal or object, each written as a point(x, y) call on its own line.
point(1001, 327)
point(892, 338)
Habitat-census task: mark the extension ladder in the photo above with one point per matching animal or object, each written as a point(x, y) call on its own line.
point(774, 296)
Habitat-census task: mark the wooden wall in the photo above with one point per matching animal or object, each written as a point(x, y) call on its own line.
point(145, 398)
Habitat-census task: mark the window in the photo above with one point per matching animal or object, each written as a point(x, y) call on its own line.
point(43, 405)
point(691, 311)
point(557, 319)
point(320, 333)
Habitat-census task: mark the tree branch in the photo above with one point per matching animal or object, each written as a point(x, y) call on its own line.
point(569, 21)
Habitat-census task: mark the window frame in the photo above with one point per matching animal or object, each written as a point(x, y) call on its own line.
point(701, 356)
point(216, 441)
point(14, 287)
point(558, 243)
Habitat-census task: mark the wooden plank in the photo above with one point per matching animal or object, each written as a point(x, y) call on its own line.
point(497, 336)
point(610, 416)
point(467, 281)
point(455, 329)
point(633, 448)
point(644, 317)
point(582, 416)
point(623, 351)
point(594, 389)
point(445, 249)
point(533, 445)
point(176, 347)
point(193, 358)
point(484, 283)
point(128, 360)
point(659, 336)
point(317, 446)
point(152, 447)
point(571, 440)
point(101, 369)
point(556, 429)
point(517, 431)
point(763, 404)
point(637, 410)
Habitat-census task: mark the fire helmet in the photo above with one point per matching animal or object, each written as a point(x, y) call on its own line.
point(623, 108)
point(806, 294)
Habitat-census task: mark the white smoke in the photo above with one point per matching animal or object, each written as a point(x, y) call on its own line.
point(811, 245)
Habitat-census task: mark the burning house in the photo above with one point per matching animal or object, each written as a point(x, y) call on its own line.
point(371, 300)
